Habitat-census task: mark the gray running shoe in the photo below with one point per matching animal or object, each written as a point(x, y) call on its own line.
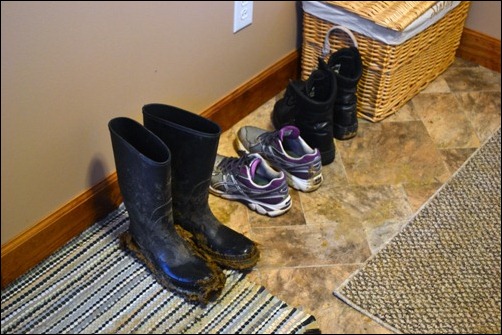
point(285, 150)
point(250, 180)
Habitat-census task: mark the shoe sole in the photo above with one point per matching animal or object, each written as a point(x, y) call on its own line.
point(302, 184)
point(259, 207)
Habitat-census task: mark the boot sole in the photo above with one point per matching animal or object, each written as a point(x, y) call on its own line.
point(240, 264)
point(211, 289)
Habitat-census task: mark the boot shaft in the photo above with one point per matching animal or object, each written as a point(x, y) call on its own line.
point(193, 142)
point(316, 95)
point(346, 63)
point(309, 106)
point(143, 168)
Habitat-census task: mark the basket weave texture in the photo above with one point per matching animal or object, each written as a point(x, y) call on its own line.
point(392, 74)
point(395, 15)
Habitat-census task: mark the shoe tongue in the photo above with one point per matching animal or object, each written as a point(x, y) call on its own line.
point(253, 166)
point(289, 131)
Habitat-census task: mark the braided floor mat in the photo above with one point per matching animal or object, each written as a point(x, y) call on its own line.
point(441, 273)
point(92, 286)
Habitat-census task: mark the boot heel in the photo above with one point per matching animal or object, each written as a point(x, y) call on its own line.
point(327, 157)
point(344, 132)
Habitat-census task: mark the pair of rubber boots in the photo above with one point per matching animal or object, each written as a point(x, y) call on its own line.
point(324, 106)
point(164, 170)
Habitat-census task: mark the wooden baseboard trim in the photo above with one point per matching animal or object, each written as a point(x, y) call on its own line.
point(41, 240)
point(245, 99)
point(45, 237)
point(480, 48)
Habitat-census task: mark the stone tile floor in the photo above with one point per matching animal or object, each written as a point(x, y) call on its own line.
point(378, 181)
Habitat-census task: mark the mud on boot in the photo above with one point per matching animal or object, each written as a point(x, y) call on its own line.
point(143, 164)
point(193, 141)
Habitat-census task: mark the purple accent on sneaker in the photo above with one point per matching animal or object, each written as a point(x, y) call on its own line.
point(250, 180)
point(285, 150)
point(253, 166)
point(289, 131)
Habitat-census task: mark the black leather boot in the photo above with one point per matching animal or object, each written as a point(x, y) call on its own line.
point(143, 165)
point(308, 105)
point(193, 141)
point(347, 65)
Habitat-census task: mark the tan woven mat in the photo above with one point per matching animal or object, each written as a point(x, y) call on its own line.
point(441, 273)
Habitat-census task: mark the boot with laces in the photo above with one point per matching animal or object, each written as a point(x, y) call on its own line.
point(347, 65)
point(309, 106)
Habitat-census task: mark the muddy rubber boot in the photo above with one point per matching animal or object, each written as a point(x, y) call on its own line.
point(143, 165)
point(193, 141)
point(347, 65)
point(308, 105)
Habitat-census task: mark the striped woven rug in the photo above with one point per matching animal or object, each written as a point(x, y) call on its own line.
point(92, 286)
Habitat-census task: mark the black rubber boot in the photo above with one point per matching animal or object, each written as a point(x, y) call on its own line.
point(144, 176)
point(193, 141)
point(347, 65)
point(308, 105)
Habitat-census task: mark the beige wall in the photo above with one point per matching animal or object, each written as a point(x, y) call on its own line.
point(69, 67)
point(484, 17)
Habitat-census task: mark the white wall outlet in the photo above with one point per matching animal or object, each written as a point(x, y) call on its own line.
point(243, 14)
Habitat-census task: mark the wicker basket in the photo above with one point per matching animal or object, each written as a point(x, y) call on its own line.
point(392, 74)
